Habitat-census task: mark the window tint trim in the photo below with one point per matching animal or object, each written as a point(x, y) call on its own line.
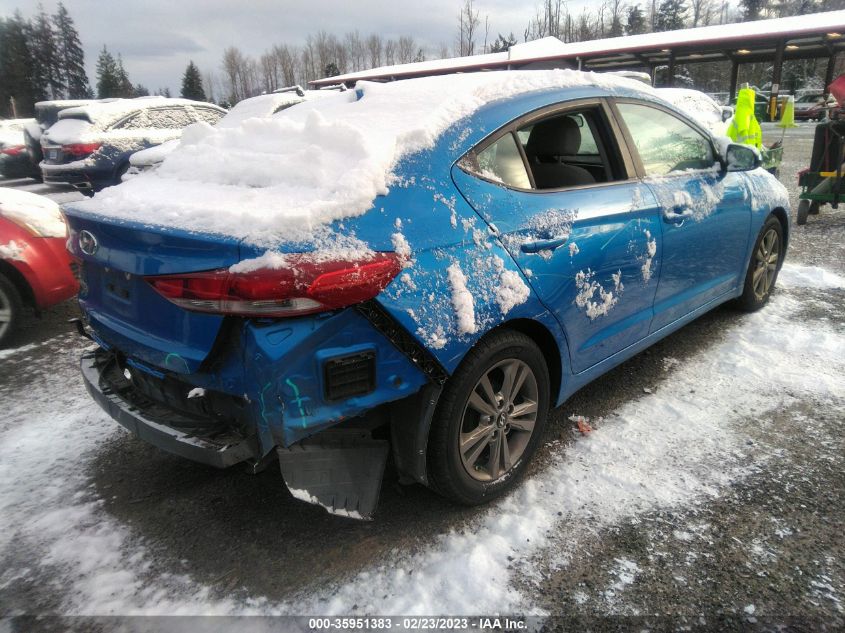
point(629, 140)
point(615, 136)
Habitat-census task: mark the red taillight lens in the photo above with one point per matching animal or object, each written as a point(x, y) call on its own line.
point(79, 150)
point(304, 286)
point(14, 150)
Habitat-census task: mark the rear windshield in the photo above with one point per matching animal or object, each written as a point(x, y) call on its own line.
point(80, 116)
point(47, 115)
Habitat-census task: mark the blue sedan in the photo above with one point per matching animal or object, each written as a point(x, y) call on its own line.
point(537, 240)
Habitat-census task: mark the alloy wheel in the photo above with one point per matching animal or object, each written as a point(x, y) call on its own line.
point(766, 260)
point(498, 420)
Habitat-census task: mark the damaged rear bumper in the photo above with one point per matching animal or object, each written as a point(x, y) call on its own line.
point(216, 446)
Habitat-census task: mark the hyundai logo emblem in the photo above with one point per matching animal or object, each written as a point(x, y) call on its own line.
point(87, 242)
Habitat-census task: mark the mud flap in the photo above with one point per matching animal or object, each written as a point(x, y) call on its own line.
point(338, 470)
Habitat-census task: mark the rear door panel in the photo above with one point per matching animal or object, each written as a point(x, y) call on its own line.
point(601, 281)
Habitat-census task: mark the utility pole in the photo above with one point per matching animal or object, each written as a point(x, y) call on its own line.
point(13, 107)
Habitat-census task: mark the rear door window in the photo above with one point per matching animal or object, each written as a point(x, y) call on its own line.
point(503, 163)
point(566, 150)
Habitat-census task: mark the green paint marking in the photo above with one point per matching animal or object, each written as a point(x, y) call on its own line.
point(264, 406)
point(172, 355)
point(296, 398)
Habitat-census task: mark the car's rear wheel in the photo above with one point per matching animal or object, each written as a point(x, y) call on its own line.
point(766, 260)
point(490, 419)
point(11, 307)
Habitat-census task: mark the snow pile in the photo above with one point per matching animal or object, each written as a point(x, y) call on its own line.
point(809, 277)
point(511, 292)
point(39, 213)
point(12, 250)
point(650, 252)
point(154, 154)
point(277, 179)
point(66, 131)
point(462, 301)
point(588, 287)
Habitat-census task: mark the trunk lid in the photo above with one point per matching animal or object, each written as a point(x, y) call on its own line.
point(124, 309)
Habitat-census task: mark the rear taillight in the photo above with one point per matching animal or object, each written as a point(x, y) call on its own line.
point(305, 285)
point(80, 150)
point(14, 150)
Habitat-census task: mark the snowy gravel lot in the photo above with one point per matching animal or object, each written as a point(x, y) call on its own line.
point(711, 491)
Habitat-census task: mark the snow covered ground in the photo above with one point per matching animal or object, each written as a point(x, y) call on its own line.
point(686, 498)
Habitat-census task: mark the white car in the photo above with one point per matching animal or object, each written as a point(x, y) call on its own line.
point(89, 146)
point(254, 107)
point(14, 161)
point(700, 107)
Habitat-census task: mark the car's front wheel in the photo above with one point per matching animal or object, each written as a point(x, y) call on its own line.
point(766, 260)
point(490, 419)
point(11, 307)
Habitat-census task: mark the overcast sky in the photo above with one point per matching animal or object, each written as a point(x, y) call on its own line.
point(158, 37)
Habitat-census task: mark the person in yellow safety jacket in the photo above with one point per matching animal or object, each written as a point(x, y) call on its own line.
point(744, 127)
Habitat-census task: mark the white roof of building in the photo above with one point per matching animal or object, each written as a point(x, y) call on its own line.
point(551, 48)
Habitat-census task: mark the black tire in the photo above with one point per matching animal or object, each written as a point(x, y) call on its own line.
point(11, 309)
point(764, 266)
point(803, 212)
point(815, 207)
point(499, 355)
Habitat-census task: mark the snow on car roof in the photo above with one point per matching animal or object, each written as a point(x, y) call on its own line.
point(280, 179)
point(104, 112)
point(265, 105)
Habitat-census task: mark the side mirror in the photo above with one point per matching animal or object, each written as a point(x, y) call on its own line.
point(727, 113)
point(742, 157)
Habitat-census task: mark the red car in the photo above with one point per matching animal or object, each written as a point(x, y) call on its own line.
point(35, 268)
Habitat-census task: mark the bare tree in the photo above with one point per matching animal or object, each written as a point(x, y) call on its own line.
point(354, 50)
point(240, 74)
point(702, 12)
point(390, 48)
point(375, 50)
point(270, 71)
point(468, 24)
point(211, 86)
point(406, 49)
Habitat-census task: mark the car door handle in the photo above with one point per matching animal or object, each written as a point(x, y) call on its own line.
point(677, 215)
point(543, 245)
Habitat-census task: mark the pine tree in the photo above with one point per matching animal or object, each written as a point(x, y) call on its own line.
point(331, 70)
point(636, 21)
point(502, 44)
point(192, 83)
point(751, 9)
point(108, 82)
point(46, 75)
point(15, 68)
point(70, 58)
point(140, 90)
point(125, 87)
point(670, 15)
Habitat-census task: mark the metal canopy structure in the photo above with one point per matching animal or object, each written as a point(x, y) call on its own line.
point(819, 35)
